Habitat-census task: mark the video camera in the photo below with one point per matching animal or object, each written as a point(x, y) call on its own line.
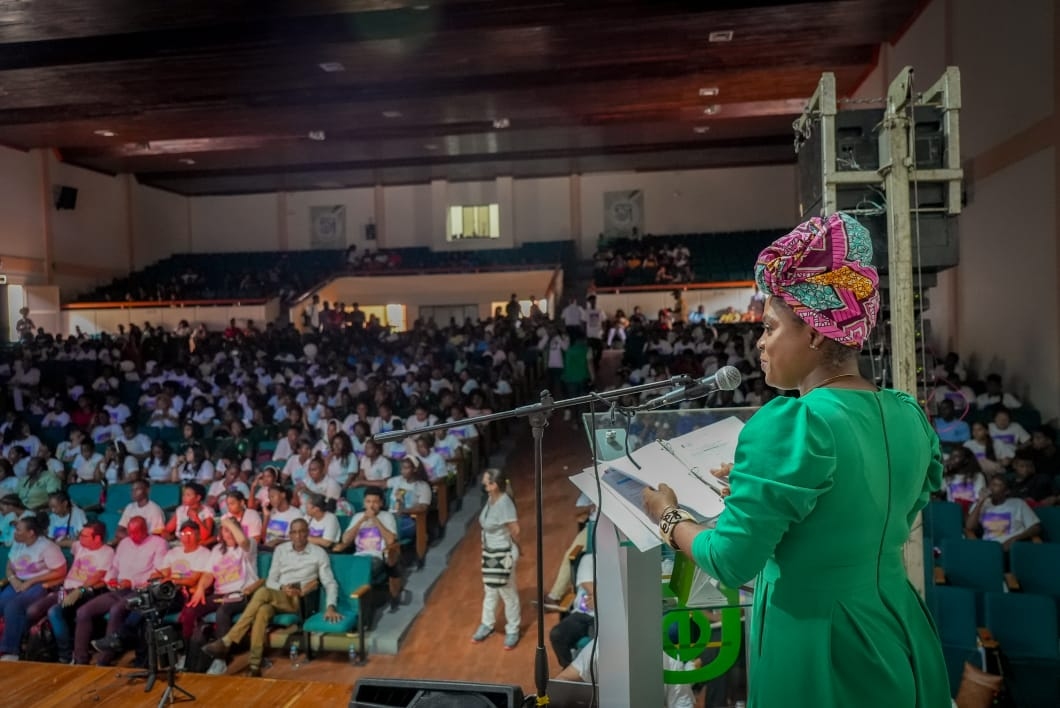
point(157, 595)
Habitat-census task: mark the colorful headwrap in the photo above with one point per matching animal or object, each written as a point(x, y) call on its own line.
point(823, 270)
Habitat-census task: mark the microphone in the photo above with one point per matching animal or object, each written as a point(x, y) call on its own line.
point(726, 378)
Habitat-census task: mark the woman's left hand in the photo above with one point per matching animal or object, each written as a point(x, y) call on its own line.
point(656, 501)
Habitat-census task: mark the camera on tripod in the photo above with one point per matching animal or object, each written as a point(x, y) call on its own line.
point(156, 596)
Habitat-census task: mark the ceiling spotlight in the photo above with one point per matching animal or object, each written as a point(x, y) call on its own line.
point(430, 146)
point(708, 91)
point(186, 161)
point(392, 114)
point(712, 110)
point(501, 123)
point(421, 6)
point(332, 67)
point(701, 129)
point(105, 133)
point(721, 36)
point(317, 135)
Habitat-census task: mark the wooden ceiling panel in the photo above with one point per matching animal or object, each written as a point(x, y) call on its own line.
point(200, 96)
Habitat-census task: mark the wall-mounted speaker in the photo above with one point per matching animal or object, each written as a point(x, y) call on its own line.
point(369, 232)
point(64, 197)
point(405, 693)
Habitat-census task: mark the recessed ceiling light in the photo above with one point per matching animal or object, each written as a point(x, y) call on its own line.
point(392, 114)
point(421, 6)
point(501, 123)
point(708, 91)
point(105, 133)
point(430, 146)
point(332, 67)
point(712, 110)
point(700, 129)
point(186, 161)
point(317, 135)
point(720, 36)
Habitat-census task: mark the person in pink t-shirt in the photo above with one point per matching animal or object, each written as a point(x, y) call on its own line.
point(33, 562)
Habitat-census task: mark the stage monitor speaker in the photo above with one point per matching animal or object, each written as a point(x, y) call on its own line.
point(65, 197)
point(405, 693)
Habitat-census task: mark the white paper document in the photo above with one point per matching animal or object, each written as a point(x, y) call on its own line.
point(622, 504)
point(684, 464)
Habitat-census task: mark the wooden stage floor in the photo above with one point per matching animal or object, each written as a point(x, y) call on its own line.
point(26, 684)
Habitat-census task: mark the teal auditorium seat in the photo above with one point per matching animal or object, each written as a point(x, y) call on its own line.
point(943, 521)
point(973, 564)
point(1025, 626)
point(118, 497)
point(954, 613)
point(1050, 518)
point(110, 519)
point(1037, 568)
point(354, 576)
point(86, 495)
point(166, 495)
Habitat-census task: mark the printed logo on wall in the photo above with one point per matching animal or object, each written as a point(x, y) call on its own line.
point(623, 212)
point(327, 227)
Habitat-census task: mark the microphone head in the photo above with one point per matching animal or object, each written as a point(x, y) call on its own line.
point(728, 378)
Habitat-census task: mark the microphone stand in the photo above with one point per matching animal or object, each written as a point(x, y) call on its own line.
point(537, 414)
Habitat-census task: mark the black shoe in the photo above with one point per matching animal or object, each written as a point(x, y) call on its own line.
point(111, 643)
point(254, 671)
point(395, 604)
point(216, 649)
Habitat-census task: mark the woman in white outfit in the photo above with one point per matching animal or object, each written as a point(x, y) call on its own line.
point(500, 552)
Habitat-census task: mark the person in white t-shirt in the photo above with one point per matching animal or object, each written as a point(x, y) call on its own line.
point(581, 622)
point(92, 558)
point(141, 505)
point(500, 535)
point(230, 579)
point(196, 466)
point(374, 468)
point(160, 462)
point(184, 566)
point(342, 463)
point(249, 520)
point(288, 445)
point(318, 482)
point(296, 469)
point(259, 489)
point(33, 563)
point(192, 508)
point(86, 465)
point(230, 480)
point(65, 519)
point(324, 529)
point(280, 515)
point(411, 493)
point(118, 465)
point(373, 532)
point(1002, 518)
point(1004, 430)
point(433, 463)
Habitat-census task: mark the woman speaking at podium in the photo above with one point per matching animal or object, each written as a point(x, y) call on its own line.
point(824, 490)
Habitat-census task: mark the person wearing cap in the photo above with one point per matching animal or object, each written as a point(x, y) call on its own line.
point(824, 490)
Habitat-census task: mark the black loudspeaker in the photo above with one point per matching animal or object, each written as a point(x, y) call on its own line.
point(404, 693)
point(65, 197)
point(369, 232)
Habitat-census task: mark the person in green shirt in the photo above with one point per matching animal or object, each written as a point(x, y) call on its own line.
point(824, 489)
point(34, 488)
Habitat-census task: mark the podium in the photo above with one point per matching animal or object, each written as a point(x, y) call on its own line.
point(636, 610)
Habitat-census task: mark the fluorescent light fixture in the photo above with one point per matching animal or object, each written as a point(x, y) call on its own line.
point(501, 123)
point(332, 67)
point(708, 91)
point(701, 129)
point(392, 114)
point(430, 146)
point(186, 161)
point(317, 135)
point(105, 133)
point(712, 110)
point(720, 36)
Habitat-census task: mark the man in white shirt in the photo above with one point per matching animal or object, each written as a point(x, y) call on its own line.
point(573, 318)
point(279, 518)
point(297, 568)
point(142, 506)
point(135, 559)
point(594, 330)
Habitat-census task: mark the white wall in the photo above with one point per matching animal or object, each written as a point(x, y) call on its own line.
point(22, 225)
point(96, 232)
point(97, 320)
point(160, 225)
point(542, 209)
point(408, 216)
point(237, 223)
point(1008, 279)
point(732, 199)
point(360, 211)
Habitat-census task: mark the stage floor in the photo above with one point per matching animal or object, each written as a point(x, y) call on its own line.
point(28, 684)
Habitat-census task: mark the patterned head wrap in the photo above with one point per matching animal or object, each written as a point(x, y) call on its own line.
point(823, 270)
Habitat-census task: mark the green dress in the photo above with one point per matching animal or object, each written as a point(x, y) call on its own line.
point(820, 517)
